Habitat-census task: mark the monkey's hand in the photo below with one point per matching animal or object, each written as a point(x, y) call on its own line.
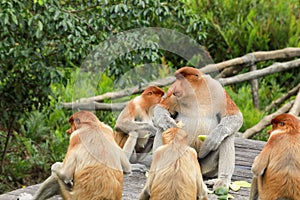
point(227, 126)
point(162, 118)
point(55, 167)
point(213, 141)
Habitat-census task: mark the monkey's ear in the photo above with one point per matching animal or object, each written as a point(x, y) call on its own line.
point(150, 93)
point(71, 119)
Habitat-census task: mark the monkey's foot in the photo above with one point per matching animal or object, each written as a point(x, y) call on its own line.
point(221, 183)
point(25, 196)
point(217, 183)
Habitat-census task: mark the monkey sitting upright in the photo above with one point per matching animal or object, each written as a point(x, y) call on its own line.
point(93, 166)
point(175, 172)
point(204, 108)
point(277, 168)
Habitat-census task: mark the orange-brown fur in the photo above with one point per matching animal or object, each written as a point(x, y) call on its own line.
point(174, 172)
point(277, 167)
point(135, 118)
point(93, 162)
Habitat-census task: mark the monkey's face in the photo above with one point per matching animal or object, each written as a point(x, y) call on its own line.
point(153, 97)
point(73, 125)
point(187, 80)
point(184, 86)
point(284, 123)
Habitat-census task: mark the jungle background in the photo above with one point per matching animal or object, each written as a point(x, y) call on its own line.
point(44, 42)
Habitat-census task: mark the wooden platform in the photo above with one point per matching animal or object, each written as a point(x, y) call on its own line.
point(246, 151)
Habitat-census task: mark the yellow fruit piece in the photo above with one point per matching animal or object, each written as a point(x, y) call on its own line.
point(180, 124)
point(210, 191)
point(234, 187)
point(202, 137)
point(242, 184)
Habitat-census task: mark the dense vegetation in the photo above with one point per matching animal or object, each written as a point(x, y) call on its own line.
point(44, 43)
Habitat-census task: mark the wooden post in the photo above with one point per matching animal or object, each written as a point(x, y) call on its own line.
point(254, 89)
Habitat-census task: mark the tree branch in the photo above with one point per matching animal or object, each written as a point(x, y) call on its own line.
point(295, 110)
point(95, 106)
point(283, 98)
point(245, 60)
point(253, 58)
point(126, 92)
point(266, 121)
point(276, 67)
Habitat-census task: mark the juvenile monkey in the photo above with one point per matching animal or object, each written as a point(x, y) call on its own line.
point(134, 128)
point(204, 108)
point(92, 168)
point(175, 172)
point(277, 168)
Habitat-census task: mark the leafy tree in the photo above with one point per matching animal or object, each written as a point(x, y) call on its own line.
point(42, 41)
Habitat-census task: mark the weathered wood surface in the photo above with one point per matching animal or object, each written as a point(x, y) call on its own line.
point(246, 150)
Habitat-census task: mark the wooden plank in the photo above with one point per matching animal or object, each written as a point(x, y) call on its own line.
point(246, 151)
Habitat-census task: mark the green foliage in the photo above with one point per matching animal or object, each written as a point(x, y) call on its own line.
point(39, 36)
point(239, 27)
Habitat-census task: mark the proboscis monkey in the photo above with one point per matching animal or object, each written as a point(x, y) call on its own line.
point(204, 108)
point(174, 172)
point(277, 168)
point(93, 166)
point(134, 126)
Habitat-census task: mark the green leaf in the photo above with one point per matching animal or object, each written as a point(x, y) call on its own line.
point(221, 191)
point(14, 18)
point(40, 26)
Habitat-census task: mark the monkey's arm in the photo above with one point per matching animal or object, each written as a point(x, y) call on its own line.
point(254, 189)
point(125, 163)
point(146, 192)
point(201, 187)
point(128, 126)
point(50, 186)
point(260, 163)
point(258, 168)
point(228, 125)
point(162, 118)
point(66, 172)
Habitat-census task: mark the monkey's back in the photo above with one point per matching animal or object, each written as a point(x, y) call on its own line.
point(282, 176)
point(177, 181)
point(104, 183)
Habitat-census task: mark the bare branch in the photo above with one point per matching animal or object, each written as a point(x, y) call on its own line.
point(276, 67)
point(253, 58)
point(266, 121)
point(245, 60)
point(283, 98)
point(126, 92)
point(295, 110)
point(95, 106)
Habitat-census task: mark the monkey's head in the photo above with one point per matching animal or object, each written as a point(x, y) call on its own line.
point(186, 79)
point(152, 95)
point(286, 123)
point(80, 119)
point(174, 135)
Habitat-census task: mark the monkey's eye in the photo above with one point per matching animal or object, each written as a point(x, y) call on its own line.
point(77, 120)
point(281, 123)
